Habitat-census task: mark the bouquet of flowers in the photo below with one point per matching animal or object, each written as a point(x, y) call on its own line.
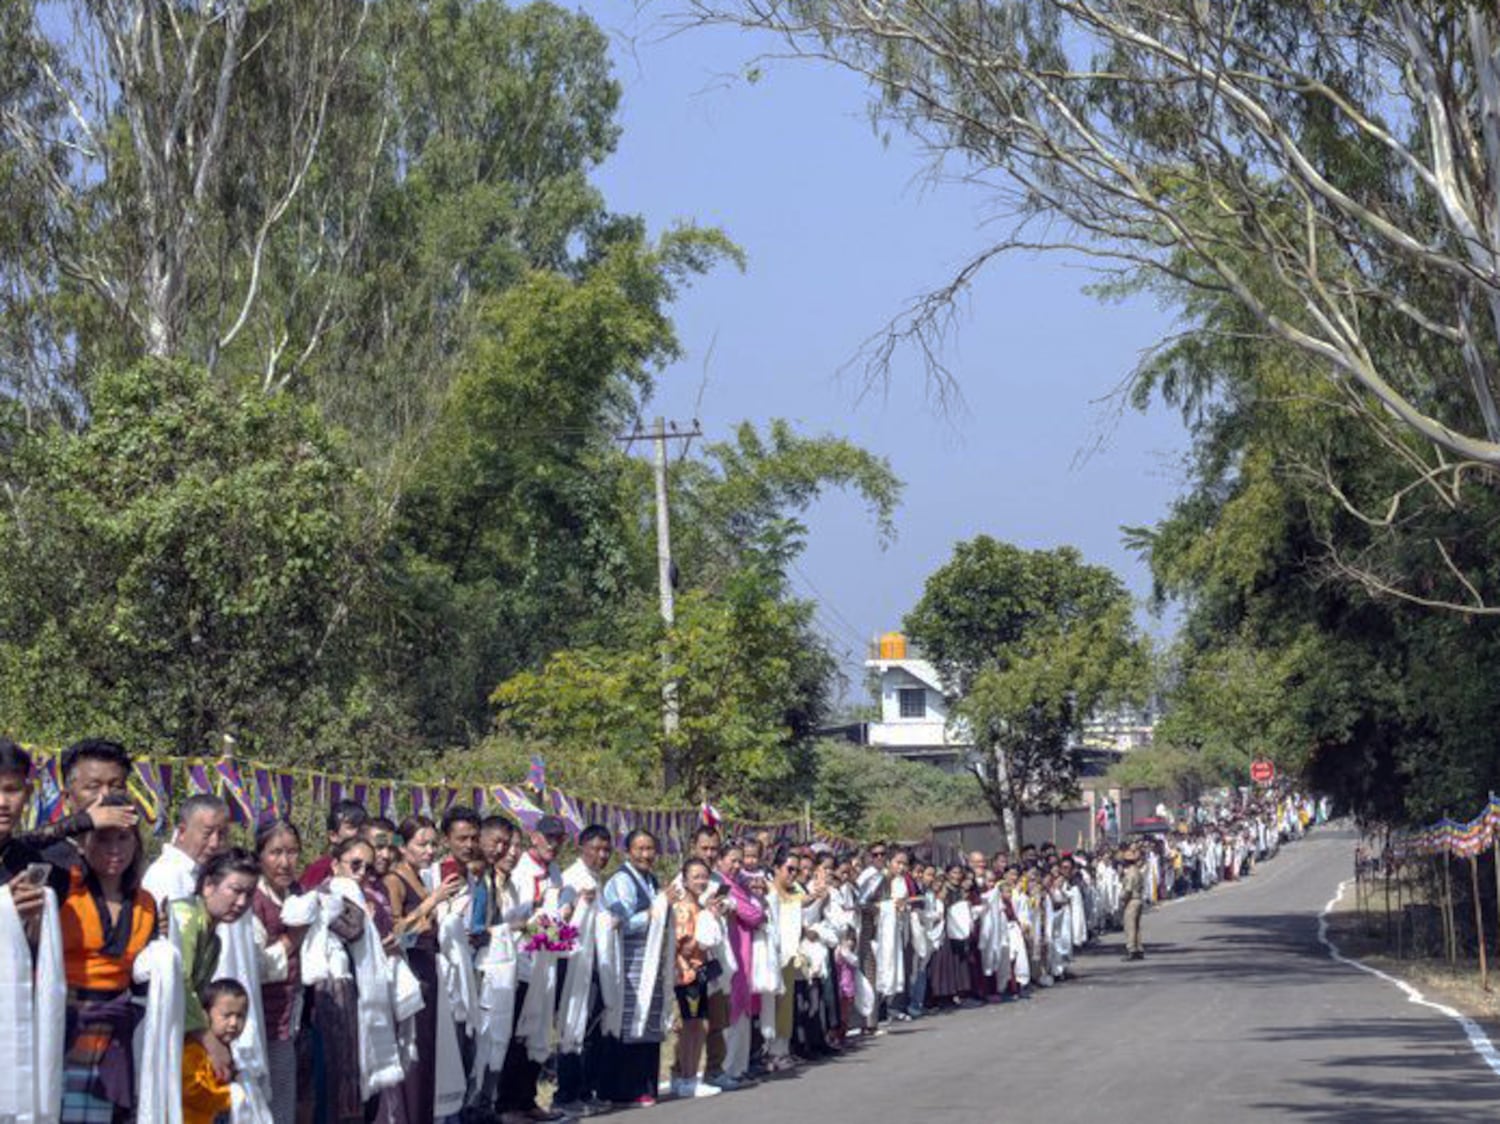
point(546, 933)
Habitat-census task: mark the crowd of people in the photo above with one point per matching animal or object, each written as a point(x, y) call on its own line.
point(419, 972)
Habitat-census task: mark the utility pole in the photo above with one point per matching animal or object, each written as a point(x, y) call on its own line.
point(659, 435)
point(668, 595)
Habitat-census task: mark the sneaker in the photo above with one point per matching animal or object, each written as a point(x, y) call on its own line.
point(645, 1100)
point(576, 1109)
point(691, 1089)
point(725, 1083)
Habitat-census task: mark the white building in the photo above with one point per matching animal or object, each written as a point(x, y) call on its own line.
point(914, 711)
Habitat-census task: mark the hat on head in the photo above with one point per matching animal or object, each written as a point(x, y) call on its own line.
point(550, 825)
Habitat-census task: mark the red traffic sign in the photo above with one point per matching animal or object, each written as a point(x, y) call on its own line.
point(1262, 772)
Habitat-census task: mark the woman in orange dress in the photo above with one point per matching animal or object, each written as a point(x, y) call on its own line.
point(107, 919)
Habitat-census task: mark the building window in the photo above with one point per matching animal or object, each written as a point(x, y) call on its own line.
point(913, 702)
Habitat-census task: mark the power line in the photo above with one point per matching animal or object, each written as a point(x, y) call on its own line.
point(827, 604)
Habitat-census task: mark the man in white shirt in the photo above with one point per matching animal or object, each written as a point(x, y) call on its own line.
point(578, 1069)
point(537, 882)
point(202, 831)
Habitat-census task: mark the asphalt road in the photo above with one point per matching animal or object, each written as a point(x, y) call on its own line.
point(1236, 1014)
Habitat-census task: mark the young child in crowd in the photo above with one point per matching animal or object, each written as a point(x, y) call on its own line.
point(206, 1099)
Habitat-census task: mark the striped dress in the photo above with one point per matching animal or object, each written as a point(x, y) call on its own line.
point(633, 1063)
point(98, 955)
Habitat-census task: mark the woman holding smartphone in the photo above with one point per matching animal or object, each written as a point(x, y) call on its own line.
point(414, 909)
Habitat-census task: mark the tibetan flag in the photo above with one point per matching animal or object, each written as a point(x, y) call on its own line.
point(335, 790)
point(152, 789)
point(536, 776)
point(709, 815)
point(418, 800)
point(286, 789)
point(360, 793)
point(236, 793)
point(565, 808)
point(385, 797)
point(199, 779)
point(264, 791)
point(49, 797)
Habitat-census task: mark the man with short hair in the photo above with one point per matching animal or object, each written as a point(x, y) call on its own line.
point(537, 881)
point(578, 1062)
point(870, 887)
point(345, 819)
point(202, 832)
point(1132, 895)
point(980, 865)
point(91, 769)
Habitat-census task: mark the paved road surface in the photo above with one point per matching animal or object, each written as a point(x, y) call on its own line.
point(1237, 1014)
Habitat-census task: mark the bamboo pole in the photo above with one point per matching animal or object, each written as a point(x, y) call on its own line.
point(1495, 848)
point(1484, 966)
point(1400, 913)
point(1386, 860)
point(1451, 937)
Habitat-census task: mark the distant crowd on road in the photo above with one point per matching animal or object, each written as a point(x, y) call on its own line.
point(421, 972)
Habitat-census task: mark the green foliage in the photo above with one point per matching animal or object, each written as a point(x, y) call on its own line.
point(738, 662)
point(1290, 646)
point(379, 471)
point(866, 795)
point(176, 569)
point(1030, 643)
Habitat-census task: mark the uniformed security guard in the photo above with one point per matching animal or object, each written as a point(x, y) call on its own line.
point(1133, 894)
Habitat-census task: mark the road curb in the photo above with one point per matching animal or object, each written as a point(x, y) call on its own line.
point(1478, 1040)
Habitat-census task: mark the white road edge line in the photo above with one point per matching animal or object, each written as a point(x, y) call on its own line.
point(1473, 1031)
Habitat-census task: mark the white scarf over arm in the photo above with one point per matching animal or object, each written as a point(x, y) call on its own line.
point(765, 964)
point(458, 1012)
point(994, 956)
point(158, 1067)
point(33, 1011)
point(239, 960)
point(573, 1016)
point(890, 968)
point(657, 947)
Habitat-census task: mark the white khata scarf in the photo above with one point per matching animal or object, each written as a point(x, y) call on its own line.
point(238, 960)
point(458, 1012)
point(608, 955)
point(158, 1069)
point(993, 931)
point(494, 1020)
point(535, 1025)
point(33, 1012)
point(573, 1013)
point(765, 961)
point(890, 969)
point(651, 967)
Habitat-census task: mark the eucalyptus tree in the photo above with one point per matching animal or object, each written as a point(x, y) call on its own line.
point(1332, 168)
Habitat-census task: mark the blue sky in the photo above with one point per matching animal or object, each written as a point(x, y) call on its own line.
point(841, 232)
